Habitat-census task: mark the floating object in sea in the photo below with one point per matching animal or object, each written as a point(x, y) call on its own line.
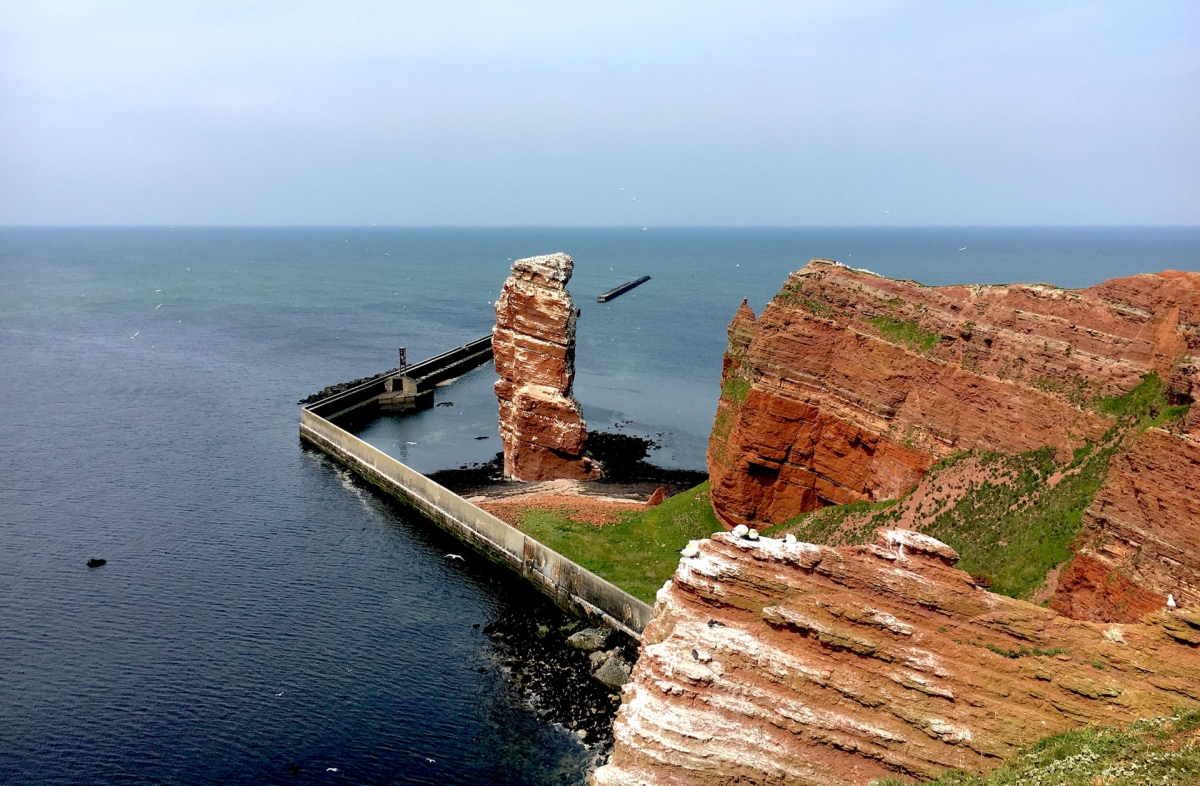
point(484, 437)
point(95, 563)
point(617, 291)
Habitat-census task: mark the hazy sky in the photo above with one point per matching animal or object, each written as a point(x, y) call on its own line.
point(515, 113)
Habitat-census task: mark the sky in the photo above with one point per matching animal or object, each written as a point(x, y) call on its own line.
point(599, 114)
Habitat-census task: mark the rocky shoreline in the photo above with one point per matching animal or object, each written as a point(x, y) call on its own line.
point(553, 665)
point(627, 473)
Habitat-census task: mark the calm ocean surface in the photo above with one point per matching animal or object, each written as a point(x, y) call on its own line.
point(260, 608)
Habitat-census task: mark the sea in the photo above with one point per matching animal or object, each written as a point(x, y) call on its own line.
point(265, 617)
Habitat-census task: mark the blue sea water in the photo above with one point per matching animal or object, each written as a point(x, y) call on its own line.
point(260, 607)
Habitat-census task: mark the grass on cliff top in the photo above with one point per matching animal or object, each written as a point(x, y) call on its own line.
point(1146, 753)
point(899, 331)
point(1010, 530)
point(638, 553)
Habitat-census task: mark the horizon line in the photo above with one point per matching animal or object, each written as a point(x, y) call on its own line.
point(632, 227)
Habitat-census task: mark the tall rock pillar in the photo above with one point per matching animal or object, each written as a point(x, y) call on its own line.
point(534, 348)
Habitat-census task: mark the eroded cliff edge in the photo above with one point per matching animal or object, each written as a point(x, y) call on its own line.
point(773, 662)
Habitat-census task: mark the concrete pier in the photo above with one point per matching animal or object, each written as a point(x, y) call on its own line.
point(410, 388)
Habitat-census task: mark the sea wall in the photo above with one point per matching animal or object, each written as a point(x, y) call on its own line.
point(569, 585)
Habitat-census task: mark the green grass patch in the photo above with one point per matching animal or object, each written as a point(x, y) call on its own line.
point(1145, 405)
point(1145, 753)
point(1013, 532)
point(900, 331)
point(638, 553)
point(823, 526)
point(735, 390)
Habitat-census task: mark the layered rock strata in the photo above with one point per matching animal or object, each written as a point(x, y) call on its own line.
point(770, 662)
point(1140, 540)
point(849, 386)
point(533, 343)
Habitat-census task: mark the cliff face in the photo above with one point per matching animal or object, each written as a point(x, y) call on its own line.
point(1140, 539)
point(770, 662)
point(534, 347)
point(850, 386)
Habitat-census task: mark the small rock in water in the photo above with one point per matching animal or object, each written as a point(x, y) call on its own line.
point(752, 534)
point(740, 531)
point(588, 639)
point(95, 563)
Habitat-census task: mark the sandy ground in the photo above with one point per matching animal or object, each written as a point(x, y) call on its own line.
point(590, 503)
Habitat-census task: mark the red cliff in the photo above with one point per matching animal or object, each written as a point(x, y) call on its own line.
point(849, 386)
point(533, 343)
point(1140, 539)
point(773, 662)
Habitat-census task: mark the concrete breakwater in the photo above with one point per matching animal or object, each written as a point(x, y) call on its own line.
point(416, 382)
point(572, 587)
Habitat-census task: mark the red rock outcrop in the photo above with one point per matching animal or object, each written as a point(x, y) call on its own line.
point(1141, 535)
point(849, 386)
point(533, 344)
point(770, 662)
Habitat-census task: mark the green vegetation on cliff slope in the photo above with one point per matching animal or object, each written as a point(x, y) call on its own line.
point(637, 553)
point(1011, 527)
point(901, 331)
point(1153, 752)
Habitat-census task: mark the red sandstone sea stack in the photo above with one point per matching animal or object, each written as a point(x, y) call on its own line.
point(533, 342)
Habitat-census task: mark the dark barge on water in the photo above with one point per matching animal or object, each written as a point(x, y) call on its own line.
point(621, 290)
